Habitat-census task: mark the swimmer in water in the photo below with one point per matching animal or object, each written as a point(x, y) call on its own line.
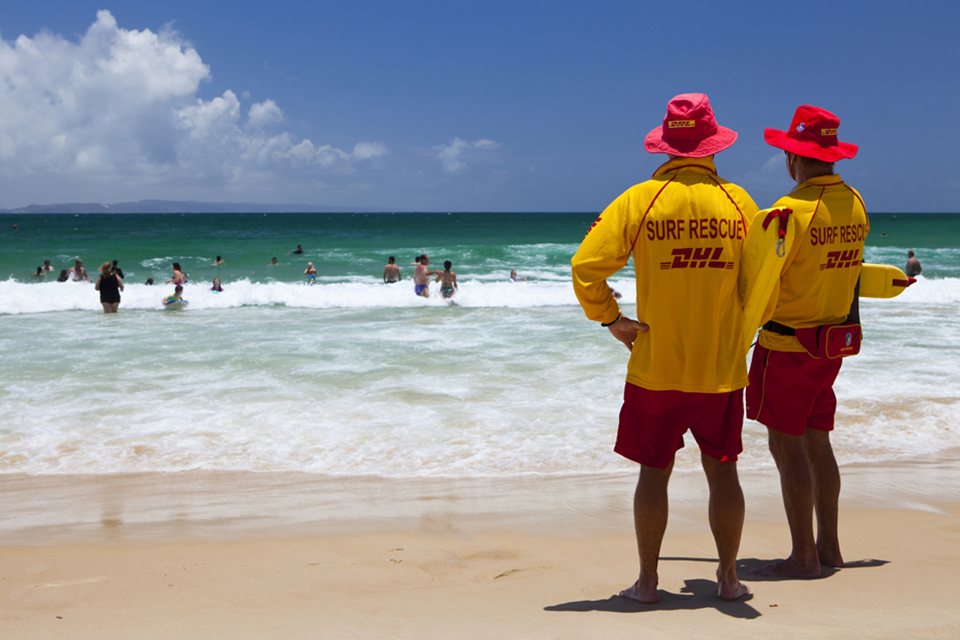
point(391, 271)
point(913, 268)
point(421, 277)
point(178, 277)
point(218, 261)
point(78, 273)
point(311, 273)
point(109, 284)
point(448, 280)
point(176, 297)
point(216, 286)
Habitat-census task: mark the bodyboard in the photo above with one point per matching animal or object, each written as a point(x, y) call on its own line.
point(174, 305)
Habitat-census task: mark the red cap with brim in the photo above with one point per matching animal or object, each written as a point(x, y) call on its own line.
point(690, 129)
point(812, 134)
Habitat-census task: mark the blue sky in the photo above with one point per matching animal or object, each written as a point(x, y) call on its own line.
point(459, 105)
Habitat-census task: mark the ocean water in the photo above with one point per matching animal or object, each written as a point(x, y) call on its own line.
point(350, 377)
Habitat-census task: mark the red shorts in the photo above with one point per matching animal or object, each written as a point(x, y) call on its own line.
point(652, 424)
point(791, 392)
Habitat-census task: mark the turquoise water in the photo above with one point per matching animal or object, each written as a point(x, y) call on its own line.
point(342, 246)
point(351, 377)
point(348, 247)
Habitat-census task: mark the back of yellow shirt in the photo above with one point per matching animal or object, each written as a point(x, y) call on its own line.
point(819, 274)
point(684, 230)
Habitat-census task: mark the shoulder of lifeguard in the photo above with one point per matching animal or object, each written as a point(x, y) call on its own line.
point(857, 194)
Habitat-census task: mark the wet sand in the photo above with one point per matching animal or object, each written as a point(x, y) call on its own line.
point(210, 555)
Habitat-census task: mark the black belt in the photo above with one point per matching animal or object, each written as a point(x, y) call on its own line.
point(781, 329)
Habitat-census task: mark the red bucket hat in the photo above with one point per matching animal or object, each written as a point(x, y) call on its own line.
point(812, 134)
point(690, 129)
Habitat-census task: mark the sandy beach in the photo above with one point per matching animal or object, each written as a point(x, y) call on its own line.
point(248, 556)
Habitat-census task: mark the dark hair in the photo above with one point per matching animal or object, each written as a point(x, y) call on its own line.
point(909, 254)
point(390, 259)
point(176, 265)
point(219, 258)
point(447, 264)
point(114, 263)
point(149, 281)
point(178, 289)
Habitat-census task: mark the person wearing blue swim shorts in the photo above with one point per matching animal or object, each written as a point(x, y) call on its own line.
point(421, 277)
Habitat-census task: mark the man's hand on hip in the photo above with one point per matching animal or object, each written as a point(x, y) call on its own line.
point(626, 329)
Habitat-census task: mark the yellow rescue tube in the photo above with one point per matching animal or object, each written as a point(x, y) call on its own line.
point(883, 281)
point(765, 249)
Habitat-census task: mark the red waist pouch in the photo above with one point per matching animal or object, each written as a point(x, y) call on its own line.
point(831, 341)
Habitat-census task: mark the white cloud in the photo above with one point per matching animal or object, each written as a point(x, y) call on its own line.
point(263, 114)
point(124, 104)
point(451, 155)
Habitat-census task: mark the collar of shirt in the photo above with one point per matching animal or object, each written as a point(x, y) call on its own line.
point(831, 180)
point(699, 165)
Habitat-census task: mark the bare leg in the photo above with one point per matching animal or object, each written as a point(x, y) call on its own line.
point(106, 307)
point(796, 485)
point(826, 495)
point(650, 510)
point(726, 522)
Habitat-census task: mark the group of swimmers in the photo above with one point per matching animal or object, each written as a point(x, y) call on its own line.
point(421, 276)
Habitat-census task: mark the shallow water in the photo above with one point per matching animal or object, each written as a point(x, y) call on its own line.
point(352, 378)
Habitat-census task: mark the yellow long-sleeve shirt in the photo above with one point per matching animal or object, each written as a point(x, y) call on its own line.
point(684, 229)
point(820, 272)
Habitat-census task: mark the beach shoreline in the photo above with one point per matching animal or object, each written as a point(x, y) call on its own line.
point(228, 504)
point(210, 555)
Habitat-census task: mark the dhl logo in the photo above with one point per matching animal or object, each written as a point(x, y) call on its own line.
point(842, 259)
point(697, 258)
point(681, 124)
point(828, 132)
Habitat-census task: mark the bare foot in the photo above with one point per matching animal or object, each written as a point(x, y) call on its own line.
point(790, 568)
point(731, 590)
point(831, 558)
point(643, 596)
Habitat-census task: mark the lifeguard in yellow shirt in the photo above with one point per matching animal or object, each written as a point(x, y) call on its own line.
point(814, 322)
point(684, 229)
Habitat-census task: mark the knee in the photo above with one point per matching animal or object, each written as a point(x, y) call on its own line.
point(653, 478)
point(786, 448)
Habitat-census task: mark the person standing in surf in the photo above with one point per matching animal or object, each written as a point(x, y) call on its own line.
point(448, 280)
point(178, 277)
point(109, 284)
point(791, 378)
point(391, 271)
point(421, 276)
point(913, 268)
point(684, 229)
